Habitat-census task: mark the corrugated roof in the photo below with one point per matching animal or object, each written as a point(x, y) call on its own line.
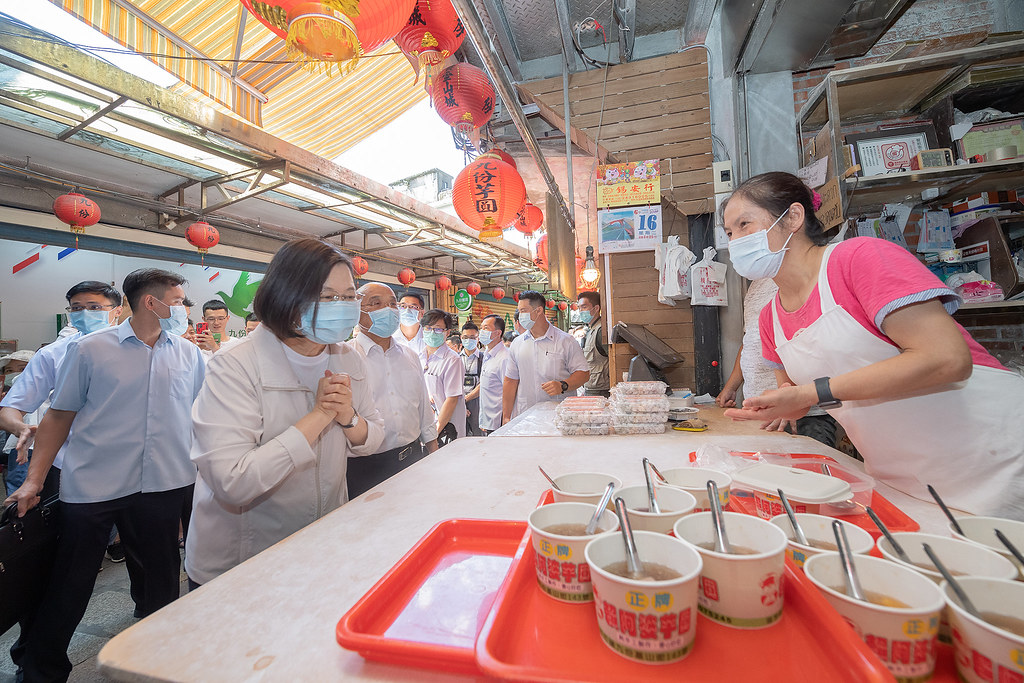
point(323, 114)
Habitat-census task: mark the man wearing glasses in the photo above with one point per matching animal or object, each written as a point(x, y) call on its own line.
point(473, 359)
point(396, 379)
point(410, 307)
point(215, 337)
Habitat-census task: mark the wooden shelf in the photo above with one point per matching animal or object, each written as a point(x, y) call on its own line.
point(992, 307)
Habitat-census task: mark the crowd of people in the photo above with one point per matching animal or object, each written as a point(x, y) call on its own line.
point(174, 434)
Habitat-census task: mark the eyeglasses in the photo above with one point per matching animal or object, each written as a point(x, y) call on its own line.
point(439, 330)
point(91, 307)
point(407, 307)
point(211, 319)
point(347, 298)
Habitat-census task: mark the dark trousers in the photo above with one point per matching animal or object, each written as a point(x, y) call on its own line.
point(148, 523)
point(369, 470)
point(597, 392)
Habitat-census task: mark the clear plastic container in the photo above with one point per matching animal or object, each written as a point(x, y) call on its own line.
point(639, 418)
point(583, 429)
point(582, 415)
point(641, 428)
point(633, 388)
point(640, 404)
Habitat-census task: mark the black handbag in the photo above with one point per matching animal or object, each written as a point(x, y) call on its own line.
point(28, 548)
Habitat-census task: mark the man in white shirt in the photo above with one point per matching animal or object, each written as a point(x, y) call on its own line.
point(396, 378)
point(215, 337)
point(410, 307)
point(473, 360)
point(545, 363)
point(129, 391)
point(492, 372)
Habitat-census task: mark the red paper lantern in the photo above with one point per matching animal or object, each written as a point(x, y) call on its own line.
point(473, 288)
point(432, 34)
point(202, 236)
point(505, 156)
point(562, 305)
point(406, 276)
point(463, 97)
point(360, 265)
point(574, 307)
point(443, 283)
point(549, 303)
point(498, 293)
point(541, 251)
point(488, 194)
point(515, 297)
point(333, 31)
point(529, 219)
point(78, 211)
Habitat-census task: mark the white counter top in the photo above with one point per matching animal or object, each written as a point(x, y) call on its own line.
point(273, 618)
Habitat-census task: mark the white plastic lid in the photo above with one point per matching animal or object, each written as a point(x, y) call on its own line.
point(799, 485)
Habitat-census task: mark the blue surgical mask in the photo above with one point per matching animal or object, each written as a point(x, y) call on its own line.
point(383, 322)
point(89, 321)
point(433, 339)
point(525, 321)
point(335, 321)
point(410, 317)
point(486, 337)
point(753, 258)
point(176, 324)
point(586, 317)
point(469, 344)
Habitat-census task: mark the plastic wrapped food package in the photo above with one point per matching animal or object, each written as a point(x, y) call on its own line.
point(639, 418)
point(641, 428)
point(583, 429)
point(640, 404)
point(634, 388)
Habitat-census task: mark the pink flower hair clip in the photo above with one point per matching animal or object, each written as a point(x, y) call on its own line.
point(815, 201)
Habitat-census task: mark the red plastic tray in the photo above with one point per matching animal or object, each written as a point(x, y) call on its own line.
point(892, 516)
point(428, 609)
point(529, 636)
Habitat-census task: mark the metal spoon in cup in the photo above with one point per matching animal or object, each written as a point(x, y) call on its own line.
point(853, 588)
point(548, 477)
point(601, 505)
point(721, 538)
point(1010, 546)
point(633, 564)
point(965, 602)
point(651, 500)
point(657, 472)
point(797, 531)
point(897, 548)
point(945, 510)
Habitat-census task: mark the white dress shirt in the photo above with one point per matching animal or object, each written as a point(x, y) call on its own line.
point(133, 428)
point(416, 343)
point(443, 373)
point(553, 357)
point(396, 378)
point(492, 378)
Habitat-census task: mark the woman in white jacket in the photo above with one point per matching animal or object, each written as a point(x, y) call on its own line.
point(280, 413)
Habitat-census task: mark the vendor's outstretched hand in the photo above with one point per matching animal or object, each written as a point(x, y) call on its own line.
point(788, 401)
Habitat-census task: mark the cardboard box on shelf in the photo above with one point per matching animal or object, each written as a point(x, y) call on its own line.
point(983, 200)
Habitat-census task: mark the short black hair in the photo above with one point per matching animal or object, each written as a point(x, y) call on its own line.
point(437, 315)
point(509, 336)
point(534, 297)
point(499, 322)
point(214, 305)
point(152, 281)
point(251, 318)
point(294, 279)
point(592, 297)
point(470, 325)
point(95, 287)
point(188, 302)
point(415, 295)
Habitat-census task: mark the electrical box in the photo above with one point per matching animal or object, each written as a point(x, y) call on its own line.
point(723, 176)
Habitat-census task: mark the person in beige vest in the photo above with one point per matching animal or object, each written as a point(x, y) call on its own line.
point(593, 345)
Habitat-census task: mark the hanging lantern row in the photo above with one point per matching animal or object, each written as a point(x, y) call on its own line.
point(488, 194)
point(78, 211)
point(463, 97)
point(432, 33)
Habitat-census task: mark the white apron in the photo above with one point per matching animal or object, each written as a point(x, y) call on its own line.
point(966, 439)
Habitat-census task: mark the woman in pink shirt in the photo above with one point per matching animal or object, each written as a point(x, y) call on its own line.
point(863, 329)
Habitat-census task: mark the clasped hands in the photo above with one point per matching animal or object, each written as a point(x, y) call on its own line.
point(334, 396)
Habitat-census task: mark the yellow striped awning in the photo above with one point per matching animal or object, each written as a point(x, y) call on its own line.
point(323, 114)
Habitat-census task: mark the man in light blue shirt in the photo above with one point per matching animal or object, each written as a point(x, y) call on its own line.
point(129, 391)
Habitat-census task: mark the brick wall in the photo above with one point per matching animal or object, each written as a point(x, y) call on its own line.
point(1002, 334)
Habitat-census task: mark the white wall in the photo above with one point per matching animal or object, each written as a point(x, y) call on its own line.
point(31, 299)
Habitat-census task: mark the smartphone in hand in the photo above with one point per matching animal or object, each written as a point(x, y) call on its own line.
point(202, 328)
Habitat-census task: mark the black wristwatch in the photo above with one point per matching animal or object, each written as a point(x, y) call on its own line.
point(565, 386)
point(353, 423)
point(825, 398)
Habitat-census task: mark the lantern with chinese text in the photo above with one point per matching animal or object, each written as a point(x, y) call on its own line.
point(488, 194)
point(473, 288)
point(562, 305)
point(78, 211)
point(515, 297)
point(360, 265)
point(504, 156)
point(432, 34)
point(333, 31)
point(463, 97)
point(203, 237)
point(406, 276)
point(529, 219)
point(549, 303)
point(540, 258)
point(498, 293)
point(443, 283)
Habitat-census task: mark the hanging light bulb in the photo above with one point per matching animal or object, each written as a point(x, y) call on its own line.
point(590, 274)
